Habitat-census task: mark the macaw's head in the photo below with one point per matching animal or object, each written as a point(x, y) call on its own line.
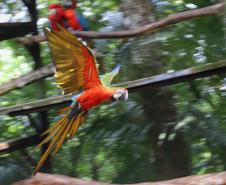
point(120, 95)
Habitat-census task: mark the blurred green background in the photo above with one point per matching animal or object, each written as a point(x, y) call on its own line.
point(157, 134)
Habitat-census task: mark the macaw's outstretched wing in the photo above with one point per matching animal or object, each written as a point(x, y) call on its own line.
point(74, 62)
point(107, 78)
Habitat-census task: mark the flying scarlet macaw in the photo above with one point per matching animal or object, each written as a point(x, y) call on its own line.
point(75, 71)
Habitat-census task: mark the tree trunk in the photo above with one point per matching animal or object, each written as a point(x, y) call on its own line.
point(171, 154)
point(35, 52)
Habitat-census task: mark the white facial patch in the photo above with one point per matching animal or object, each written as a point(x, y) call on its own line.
point(121, 95)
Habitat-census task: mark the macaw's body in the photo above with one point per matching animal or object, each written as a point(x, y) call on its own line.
point(75, 71)
point(95, 96)
point(67, 15)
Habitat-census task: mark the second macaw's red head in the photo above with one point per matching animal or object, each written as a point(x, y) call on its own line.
point(97, 95)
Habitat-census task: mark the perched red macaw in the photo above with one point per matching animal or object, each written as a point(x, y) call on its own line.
point(76, 70)
point(67, 15)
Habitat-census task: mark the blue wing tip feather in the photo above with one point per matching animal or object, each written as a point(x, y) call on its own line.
point(116, 68)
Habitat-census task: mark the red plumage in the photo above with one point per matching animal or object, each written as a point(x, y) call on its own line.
point(94, 97)
point(64, 16)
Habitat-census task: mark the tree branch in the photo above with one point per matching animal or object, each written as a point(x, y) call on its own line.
point(170, 20)
point(52, 179)
point(132, 86)
point(37, 106)
point(27, 79)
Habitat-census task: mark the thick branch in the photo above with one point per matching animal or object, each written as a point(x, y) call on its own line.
point(170, 20)
point(133, 86)
point(51, 179)
point(27, 79)
point(37, 106)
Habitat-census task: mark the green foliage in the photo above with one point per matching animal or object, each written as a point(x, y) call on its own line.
point(116, 143)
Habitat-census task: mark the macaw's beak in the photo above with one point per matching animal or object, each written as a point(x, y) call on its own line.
point(120, 95)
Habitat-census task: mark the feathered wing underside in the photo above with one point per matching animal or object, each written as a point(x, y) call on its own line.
point(74, 62)
point(67, 126)
point(107, 78)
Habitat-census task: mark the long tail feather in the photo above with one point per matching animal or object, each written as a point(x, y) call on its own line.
point(48, 151)
point(75, 127)
point(66, 126)
point(61, 140)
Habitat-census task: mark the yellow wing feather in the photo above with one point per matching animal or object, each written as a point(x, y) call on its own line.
point(72, 60)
